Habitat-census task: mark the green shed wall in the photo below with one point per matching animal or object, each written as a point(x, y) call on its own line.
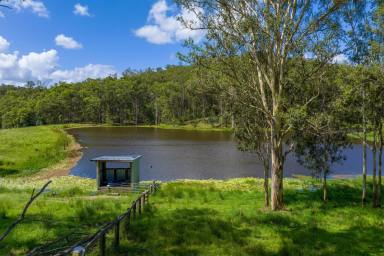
point(135, 178)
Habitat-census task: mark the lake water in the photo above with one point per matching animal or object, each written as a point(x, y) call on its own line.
point(180, 154)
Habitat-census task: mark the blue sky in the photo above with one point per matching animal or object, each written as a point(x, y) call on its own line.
point(67, 40)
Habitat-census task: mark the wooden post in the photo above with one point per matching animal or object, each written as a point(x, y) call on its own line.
point(134, 210)
point(140, 204)
point(117, 235)
point(102, 245)
point(143, 201)
point(128, 221)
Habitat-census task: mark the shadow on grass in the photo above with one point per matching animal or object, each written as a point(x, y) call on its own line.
point(339, 195)
point(205, 231)
point(4, 172)
point(312, 240)
point(184, 232)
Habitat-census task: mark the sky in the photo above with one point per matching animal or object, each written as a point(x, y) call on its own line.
point(66, 40)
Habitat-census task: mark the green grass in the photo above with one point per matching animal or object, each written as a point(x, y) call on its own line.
point(25, 151)
point(193, 127)
point(185, 217)
point(228, 218)
point(70, 207)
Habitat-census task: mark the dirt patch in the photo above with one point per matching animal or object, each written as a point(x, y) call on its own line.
point(64, 167)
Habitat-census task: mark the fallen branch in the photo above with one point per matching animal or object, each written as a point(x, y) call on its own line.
point(22, 215)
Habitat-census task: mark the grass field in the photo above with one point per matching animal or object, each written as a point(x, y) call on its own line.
point(228, 218)
point(69, 210)
point(25, 151)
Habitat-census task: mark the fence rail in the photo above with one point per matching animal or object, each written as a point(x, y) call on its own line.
point(137, 207)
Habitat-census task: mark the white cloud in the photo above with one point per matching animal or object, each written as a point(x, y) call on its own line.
point(340, 59)
point(36, 7)
point(44, 66)
point(162, 28)
point(8, 60)
point(154, 34)
point(81, 10)
point(67, 42)
point(4, 44)
point(80, 74)
point(39, 65)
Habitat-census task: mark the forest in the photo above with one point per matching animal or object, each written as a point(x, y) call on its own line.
point(175, 94)
point(171, 95)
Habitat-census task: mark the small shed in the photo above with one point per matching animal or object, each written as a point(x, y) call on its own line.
point(109, 176)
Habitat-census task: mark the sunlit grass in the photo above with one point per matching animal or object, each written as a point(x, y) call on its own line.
point(24, 151)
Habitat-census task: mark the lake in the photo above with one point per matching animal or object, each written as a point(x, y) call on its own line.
point(181, 154)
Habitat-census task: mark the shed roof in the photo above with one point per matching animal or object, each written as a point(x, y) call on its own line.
point(126, 158)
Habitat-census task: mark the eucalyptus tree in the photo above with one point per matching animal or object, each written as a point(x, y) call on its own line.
point(375, 114)
point(247, 129)
point(320, 145)
point(376, 76)
point(267, 35)
point(357, 16)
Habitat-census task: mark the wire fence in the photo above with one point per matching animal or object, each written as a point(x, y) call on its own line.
point(88, 243)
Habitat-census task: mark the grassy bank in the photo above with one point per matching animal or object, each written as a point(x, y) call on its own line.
point(24, 151)
point(228, 218)
point(198, 126)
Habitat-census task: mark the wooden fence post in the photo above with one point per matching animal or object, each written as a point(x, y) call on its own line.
point(140, 204)
point(102, 245)
point(134, 210)
point(117, 235)
point(128, 220)
point(145, 198)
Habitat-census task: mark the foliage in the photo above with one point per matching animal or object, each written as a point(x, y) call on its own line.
point(171, 95)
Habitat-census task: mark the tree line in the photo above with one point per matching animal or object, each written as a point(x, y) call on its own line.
point(174, 95)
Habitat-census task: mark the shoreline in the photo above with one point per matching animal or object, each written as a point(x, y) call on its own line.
point(186, 127)
point(62, 168)
point(74, 154)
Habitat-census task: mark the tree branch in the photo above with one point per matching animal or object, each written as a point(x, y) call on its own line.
point(22, 215)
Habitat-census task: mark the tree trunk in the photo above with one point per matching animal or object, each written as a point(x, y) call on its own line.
point(156, 114)
point(136, 112)
point(221, 112)
point(364, 194)
point(374, 169)
point(277, 160)
point(266, 182)
point(325, 188)
point(378, 198)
